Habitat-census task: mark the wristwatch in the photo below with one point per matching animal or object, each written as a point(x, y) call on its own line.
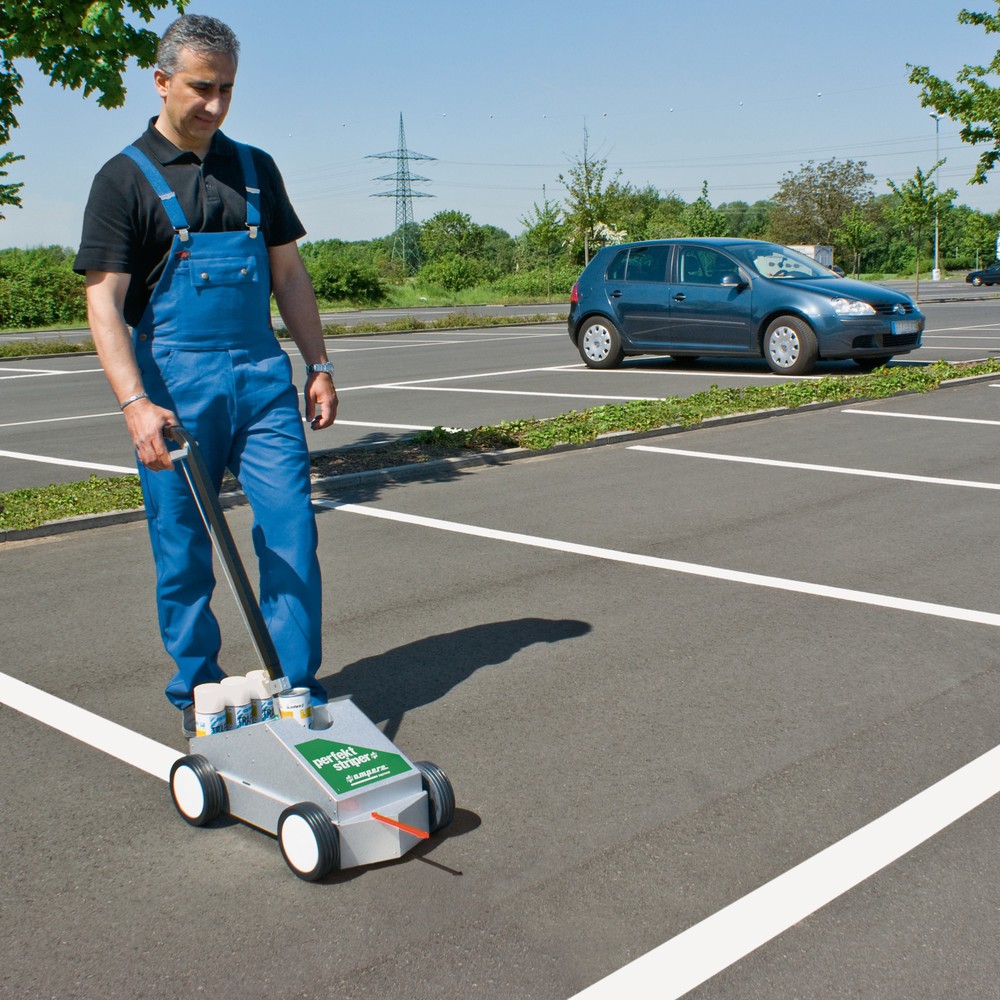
point(322, 366)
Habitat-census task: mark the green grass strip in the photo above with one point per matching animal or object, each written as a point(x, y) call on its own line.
point(29, 508)
point(404, 324)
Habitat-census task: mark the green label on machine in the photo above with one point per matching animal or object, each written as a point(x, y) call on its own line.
point(345, 767)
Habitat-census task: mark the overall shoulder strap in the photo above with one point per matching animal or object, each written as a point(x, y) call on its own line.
point(253, 191)
point(162, 189)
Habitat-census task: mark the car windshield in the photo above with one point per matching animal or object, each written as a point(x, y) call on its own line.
point(773, 261)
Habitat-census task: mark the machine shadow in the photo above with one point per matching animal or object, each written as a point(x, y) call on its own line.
point(388, 685)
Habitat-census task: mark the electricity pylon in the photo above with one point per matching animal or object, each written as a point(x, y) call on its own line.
point(404, 245)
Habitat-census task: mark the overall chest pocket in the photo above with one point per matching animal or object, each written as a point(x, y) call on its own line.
point(219, 272)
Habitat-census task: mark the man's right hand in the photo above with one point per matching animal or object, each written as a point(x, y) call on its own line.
point(146, 423)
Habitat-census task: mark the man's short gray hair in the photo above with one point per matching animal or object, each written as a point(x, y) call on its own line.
point(198, 33)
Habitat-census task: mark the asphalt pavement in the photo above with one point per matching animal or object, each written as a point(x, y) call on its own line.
point(721, 702)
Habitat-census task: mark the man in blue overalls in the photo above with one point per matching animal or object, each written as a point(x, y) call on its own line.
point(186, 236)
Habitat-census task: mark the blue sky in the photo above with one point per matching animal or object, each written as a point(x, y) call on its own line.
point(671, 94)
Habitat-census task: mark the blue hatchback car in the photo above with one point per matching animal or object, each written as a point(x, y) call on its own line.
point(734, 298)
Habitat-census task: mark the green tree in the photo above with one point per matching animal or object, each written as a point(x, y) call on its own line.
point(971, 100)
point(811, 204)
point(544, 237)
point(75, 43)
point(978, 239)
point(584, 184)
point(856, 235)
point(917, 201)
point(700, 219)
point(748, 221)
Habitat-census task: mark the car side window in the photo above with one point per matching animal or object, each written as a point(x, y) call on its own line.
point(616, 272)
point(704, 266)
point(647, 264)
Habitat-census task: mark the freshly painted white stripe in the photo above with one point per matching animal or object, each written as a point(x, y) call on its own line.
point(702, 951)
point(45, 460)
point(922, 416)
point(931, 480)
point(85, 726)
point(675, 566)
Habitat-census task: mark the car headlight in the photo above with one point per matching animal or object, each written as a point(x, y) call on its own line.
point(851, 307)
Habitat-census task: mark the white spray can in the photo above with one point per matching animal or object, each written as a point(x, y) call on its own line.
point(209, 709)
point(239, 711)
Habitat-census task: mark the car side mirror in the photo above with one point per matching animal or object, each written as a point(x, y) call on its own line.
point(839, 271)
point(734, 281)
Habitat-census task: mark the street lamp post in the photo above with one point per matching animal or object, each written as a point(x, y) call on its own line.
point(936, 273)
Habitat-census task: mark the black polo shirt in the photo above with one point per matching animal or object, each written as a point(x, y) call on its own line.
point(125, 226)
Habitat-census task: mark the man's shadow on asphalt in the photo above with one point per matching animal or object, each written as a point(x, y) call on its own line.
point(388, 685)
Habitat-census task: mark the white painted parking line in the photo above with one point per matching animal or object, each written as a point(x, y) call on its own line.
point(704, 950)
point(61, 420)
point(518, 392)
point(808, 467)
point(676, 566)
point(922, 416)
point(384, 426)
point(114, 740)
point(48, 460)
point(445, 378)
point(47, 373)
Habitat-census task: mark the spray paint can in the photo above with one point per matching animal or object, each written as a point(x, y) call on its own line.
point(261, 701)
point(209, 709)
point(296, 704)
point(239, 711)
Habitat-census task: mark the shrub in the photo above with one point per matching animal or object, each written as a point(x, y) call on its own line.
point(38, 288)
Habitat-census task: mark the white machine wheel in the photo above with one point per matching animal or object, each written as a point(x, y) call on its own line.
point(309, 841)
point(197, 790)
point(440, 794)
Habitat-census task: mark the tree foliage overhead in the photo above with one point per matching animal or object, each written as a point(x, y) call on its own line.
point(971, 100)
point(76, 44)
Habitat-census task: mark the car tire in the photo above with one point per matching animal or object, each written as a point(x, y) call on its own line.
point(790, 346)
point(977, 280)
point(600, 343)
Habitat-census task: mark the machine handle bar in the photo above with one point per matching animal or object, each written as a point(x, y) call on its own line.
point(207, 501)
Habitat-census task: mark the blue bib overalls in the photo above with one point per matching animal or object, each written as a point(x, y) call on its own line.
point(207, 351)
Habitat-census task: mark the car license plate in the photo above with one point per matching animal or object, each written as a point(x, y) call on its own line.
point(904, 326)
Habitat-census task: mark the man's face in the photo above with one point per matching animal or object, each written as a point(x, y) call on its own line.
point(195, 99)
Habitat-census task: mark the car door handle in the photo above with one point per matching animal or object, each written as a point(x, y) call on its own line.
point(679, 297)
point(616, 294)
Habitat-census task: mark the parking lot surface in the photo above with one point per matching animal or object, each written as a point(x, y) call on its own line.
point(682, 686)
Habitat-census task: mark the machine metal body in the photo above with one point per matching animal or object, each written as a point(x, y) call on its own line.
point(336, 795)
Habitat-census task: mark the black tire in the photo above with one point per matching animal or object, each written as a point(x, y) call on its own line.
point(309, 841)
point(870, 364)
point(440, 794)
point(600, 343)
point(198, 791)
point(790, 346)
